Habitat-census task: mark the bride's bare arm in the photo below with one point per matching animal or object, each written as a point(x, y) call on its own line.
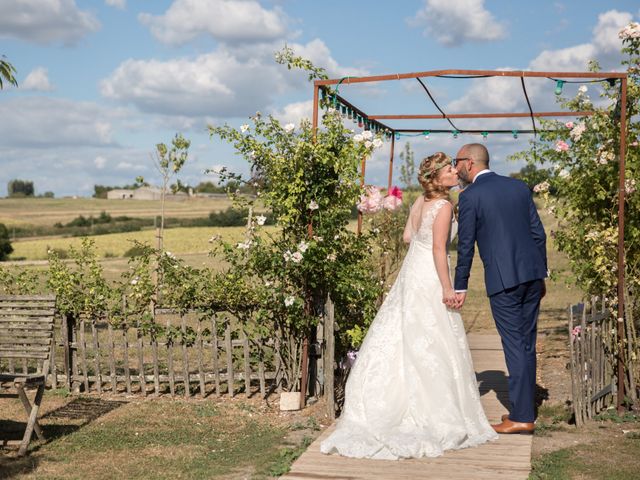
point(441, 226)
point(408, 228)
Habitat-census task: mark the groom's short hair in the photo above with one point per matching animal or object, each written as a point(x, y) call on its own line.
point(478, 152)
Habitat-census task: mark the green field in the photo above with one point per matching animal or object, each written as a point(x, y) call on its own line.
point(48, 211)
point(176, 240)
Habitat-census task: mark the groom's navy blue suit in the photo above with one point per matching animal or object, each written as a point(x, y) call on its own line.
point(499, 214)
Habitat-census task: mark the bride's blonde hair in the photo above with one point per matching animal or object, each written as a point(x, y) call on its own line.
point(428, 175)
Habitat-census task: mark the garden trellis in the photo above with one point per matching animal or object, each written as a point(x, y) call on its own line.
point(375, 122)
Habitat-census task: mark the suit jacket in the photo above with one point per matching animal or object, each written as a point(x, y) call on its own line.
point(498, 212)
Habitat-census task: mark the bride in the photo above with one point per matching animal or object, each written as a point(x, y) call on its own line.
point(412, 391)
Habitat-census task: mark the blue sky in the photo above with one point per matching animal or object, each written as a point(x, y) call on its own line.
point(102, 81)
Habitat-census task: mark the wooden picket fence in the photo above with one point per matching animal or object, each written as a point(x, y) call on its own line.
point(592, 339)
point(90, 355)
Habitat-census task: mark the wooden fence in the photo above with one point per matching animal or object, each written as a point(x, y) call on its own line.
point(220, 358)
point(592, 340)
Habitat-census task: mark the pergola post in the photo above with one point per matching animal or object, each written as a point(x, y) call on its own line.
point(621, 267)
point(390, 178)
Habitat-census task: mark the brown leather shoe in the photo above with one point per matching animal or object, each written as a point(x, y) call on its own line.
point(507, 426)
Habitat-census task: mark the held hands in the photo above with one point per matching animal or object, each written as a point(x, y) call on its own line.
point(453, 299)
point(449, 297)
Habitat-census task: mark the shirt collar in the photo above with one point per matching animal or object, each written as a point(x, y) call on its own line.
point(481, 172)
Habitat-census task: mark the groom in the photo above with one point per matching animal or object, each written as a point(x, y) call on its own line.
point(499, 214)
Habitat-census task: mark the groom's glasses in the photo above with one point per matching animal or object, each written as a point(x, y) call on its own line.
point(461, 159)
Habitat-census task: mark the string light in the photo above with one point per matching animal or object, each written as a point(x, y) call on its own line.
point(426, 134)
point(559, 85)
point(485, 135)
point(515, 134)
point(456, 133)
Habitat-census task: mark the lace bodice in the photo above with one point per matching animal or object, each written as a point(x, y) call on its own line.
point(424, 232)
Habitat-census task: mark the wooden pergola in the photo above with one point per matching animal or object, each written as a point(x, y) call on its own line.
point(375, 122)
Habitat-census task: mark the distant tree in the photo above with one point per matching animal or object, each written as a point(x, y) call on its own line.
point(531, 175)
point(7, 73)
point(209, 187)
point(5, 243)
point(100, 191)
point(49, 195)
point(20, 188)
point(408, 167)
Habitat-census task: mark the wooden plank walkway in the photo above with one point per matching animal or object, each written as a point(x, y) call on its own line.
point(507, 458)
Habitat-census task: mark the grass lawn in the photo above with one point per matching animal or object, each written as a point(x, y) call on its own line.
point(95, 438)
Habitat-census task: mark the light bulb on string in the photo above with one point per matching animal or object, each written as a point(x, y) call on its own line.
point(360, 121)
point(515, 134)
point(426, 134)
point(484, 136)
point(397, 136)
point(559, 85)
point(456, 133)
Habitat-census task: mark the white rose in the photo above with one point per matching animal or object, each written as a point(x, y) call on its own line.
point(244, 128)
point(296, 257)
point(377, 143)
point(358, 138)
point(367, 135)
point(289, 301)
point(368, 144)
point(289, 127)
point(313, 205)
point(582, 89)
point(287, 256)
point(303, 246)
point(260, 219)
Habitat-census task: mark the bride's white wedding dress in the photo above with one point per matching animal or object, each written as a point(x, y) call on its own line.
point(412, 391)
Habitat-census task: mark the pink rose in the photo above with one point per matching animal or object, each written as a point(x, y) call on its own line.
point(391, 202)
point(395, 192)
point(569, 125)
point(561, 146)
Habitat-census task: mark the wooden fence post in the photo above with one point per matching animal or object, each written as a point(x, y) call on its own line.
point(328, 357)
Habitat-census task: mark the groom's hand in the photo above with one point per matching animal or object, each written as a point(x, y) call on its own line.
point(460, 298)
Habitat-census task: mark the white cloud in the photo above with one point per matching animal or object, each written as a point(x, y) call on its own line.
point(453, 23)
point(295, 112)
point(211, 84)
point(38, 79)
point(121, 4)
point(124, 165)
point(45, 21)
point(226, 20)
point(100, 162)
point(224, 83)
point(604, 46)
point(41, 122)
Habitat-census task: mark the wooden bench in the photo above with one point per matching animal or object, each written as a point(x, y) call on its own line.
point(26, 334)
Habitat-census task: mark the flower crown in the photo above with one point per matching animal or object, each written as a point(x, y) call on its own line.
point(436, 166)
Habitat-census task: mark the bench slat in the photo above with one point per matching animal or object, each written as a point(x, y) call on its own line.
point(24, 332)
point(24, 312)
point(4, 327)
point(41, 355)
point(25, 341)
point(23, 348)
point(49, 296)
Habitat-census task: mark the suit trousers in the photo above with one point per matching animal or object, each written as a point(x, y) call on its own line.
point(515, 311)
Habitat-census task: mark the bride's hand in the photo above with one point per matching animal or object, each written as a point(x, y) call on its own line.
point(449, 297)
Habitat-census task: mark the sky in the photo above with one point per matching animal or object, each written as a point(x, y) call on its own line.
point(101, 82)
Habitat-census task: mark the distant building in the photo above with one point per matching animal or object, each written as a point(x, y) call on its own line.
point(144, 193)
